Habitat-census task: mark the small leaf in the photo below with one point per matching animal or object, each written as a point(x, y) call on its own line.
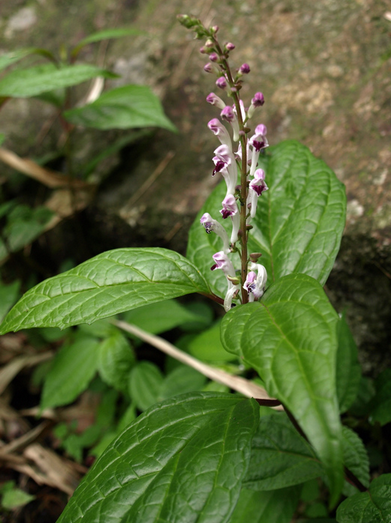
point(115, 361)
point(15, 498)
point(106, 34)
point(275, 506)
point(145, 382)
point(280, 457)
point(380, 406)
point(160, 317)
point(348, 366)
point(368, 507)
point(24, 83)
point(299, 221)
point(181, 461)
point(112, 282)
point(8, 59)
point(181, 380)
point(73, 369)
point(207, 346)
point(122, 108)
point(355, 456)
point(8, 296)
point(290, 339)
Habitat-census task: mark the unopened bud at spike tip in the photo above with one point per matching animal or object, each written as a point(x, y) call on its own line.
point(244, 69)
point(229, 46)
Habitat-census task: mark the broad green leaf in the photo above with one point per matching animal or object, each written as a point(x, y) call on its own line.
point(115, 361)
point(160, 317)
point(290, 339)
point(368, 507)
point(122, 108)
point(381, 404)
point(181, 461)
point(299, 220)
point(181, 380)
point(348, 366)
point(355, 456)
point(275, 506)
point(280, 457)
point(8, 296)
point(14, 56)
point(107, 34)
point(207, 346)
point(145, 382)
point(110, 283)
point(24, 83)
point(362, 404)
point(73, 369)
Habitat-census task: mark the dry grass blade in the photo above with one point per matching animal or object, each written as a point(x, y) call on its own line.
point(9, 371)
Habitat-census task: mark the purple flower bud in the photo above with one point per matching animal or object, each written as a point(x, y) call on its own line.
point(203, 50)
point(208, 68)
point(229, 46)
point(258, 100)
point(215, 28)
point(227, 114)
point(221, 82)
point(261, 129)
point(230, 207)
point(220, 131)
point(213, 57)
point(244, 69)
point(213, 99)
point(209, 43)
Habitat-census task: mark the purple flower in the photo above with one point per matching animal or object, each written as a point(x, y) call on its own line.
point(221, 82)
point(257, 101)
point(213, 99)
point(244, 69)
point(211, 68)
point(255, 283)
point(230, 208)
point(227, 114)
point(223, 263)
point(220, 131)
point(256, 188)
point(212, 225)
point(225, 164)
point(213, 57)
point(258, 142)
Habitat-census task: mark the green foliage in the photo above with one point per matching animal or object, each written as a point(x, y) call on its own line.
point(106, 34)
point(348, 367)
point(299, 221)
point(205, 436)
point(13, 497)
point(115, 361)
point(8, 296)
point(108, 284)
point(292, 333)
point(381, 404)
point(122, 108)
point(24, 83)
point(373, 506)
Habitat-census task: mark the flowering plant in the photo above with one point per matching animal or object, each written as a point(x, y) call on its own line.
point(218, 457)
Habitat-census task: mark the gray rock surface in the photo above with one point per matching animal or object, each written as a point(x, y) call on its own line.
point(324, 68)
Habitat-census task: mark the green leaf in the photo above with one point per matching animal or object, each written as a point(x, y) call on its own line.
point(107, 34)
point(299, 220)
point(381, 404)
point(276, 506)
point(24, 83)
point(207, 346)
point(181, 380)
point(14, 498)
point(110, 283)
point(348, 366)
point(368, 507)
point(2, 138)
point(182, 460)
point(8, 296)
point(280, 457)
point(145, 382)
point(160, 317)
point(73, 369)
point(290, 339)
point(355, 456)
point(8, 59)
point(122, 108)
point(115, 361)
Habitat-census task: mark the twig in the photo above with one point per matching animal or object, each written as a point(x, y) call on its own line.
point(245, 387)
